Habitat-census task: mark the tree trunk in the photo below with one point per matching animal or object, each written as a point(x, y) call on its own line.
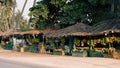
point(31, 16)
point(18, 22)
point(23, 7)
point(34, 2)
point(7, 24)
point(22, 12)
point(13, 17)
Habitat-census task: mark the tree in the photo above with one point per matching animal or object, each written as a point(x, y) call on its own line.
point(24, 6)
point(10, 19)
point(2, 24)
point(23, 22)
point(39, 13)
point(31, 15)
point(20, 15)
point(6, 13)
point(13, 16)
point(62, 13)
point(44, 15)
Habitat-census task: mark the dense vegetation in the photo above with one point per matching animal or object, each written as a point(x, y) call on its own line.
point(56, 14)
point(10, 19)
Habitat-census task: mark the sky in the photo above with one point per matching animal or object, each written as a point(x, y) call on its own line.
point(20, 4)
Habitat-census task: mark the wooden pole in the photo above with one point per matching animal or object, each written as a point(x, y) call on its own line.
point(71, 44)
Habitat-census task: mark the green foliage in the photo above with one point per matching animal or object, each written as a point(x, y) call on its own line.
point(9, 3)
point(20, 21)
point(23, 28)
point(41, 25)
point(103, 41)
point(59, 14)
point(93, 2)
point(35, 40)
point(50, 40)
point(90, 43)
point(40, 15)
point(51, 47)
point(39, 10)
point(62, 40)
point(71, 13)
point(31, 49)
point(118, 39)
point(57, 1)
point(8, 46)
point(6, 14)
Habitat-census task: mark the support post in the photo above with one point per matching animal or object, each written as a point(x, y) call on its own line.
point(71, 44)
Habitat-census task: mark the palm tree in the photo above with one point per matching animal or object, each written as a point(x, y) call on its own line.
point(17, 16)
point(7, 15)
point(6, 12)
point(13, 16)
point(2, 24)
point(18, 22)
point(22, 25)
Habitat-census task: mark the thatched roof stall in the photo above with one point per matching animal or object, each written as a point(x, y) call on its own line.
point(29, 32)
point(82, 28)
point(5, 36)
point(25, 34)
point(108, 32)
point(8, 32)
point(32, 36)
point(106, 27)
point(66, 36)
point(11, 32)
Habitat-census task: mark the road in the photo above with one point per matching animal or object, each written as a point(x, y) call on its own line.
point(13, 64)
point(32, 60)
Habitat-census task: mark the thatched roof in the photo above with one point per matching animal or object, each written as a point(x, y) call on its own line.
point(107, 26)
point(29, 32)
point(11, 31)
point(8, 32)
point(79, 27)
point(81, 34)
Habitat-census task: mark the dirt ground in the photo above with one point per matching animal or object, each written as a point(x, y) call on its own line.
point(59, 61)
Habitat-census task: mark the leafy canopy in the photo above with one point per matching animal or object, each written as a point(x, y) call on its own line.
point(62, 13)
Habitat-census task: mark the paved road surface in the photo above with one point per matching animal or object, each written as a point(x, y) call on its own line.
point(13, 64)
point(10, 59)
